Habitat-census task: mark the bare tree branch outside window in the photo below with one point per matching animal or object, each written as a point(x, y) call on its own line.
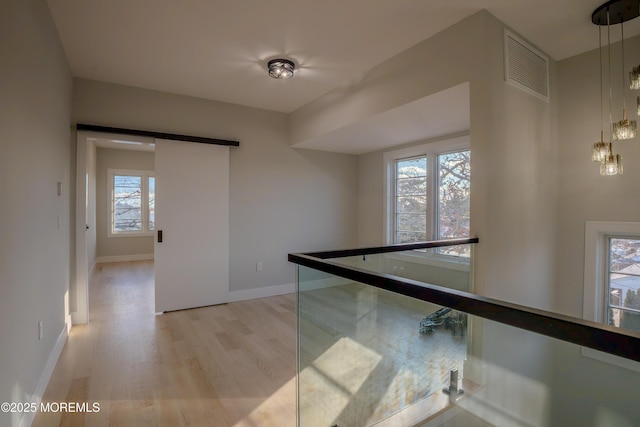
point(127, 203)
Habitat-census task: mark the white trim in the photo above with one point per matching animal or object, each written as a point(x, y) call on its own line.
point(123, 258)
point(594, 298)
point(268, 291)
point(75, 318)
point(82, 277)
point(28, 417)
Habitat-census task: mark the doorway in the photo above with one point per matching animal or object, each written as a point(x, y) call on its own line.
point(189, 238)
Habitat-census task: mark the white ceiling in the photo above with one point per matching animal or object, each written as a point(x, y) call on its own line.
point(218, 49)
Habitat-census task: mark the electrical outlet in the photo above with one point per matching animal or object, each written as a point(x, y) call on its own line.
point(40, 329)
point(259, 266)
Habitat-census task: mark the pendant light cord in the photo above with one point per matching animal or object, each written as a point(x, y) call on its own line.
point(609, 73)
point(601, 100)
point(624, 101)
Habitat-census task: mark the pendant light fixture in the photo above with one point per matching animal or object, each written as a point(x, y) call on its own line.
point(612, 163)
point(611, 13)
point(634, 78)
point(624, 129)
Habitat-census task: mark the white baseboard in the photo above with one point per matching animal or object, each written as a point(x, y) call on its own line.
point(75, 318)
point(269, 291)
point(122, 258)
point(27, 417)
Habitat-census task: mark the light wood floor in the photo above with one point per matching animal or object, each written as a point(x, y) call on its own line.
point(229, 365)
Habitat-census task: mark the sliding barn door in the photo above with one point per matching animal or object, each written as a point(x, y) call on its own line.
point(192, 216)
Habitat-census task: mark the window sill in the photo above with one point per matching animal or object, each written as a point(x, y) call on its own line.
point(132, 234)
point(433, 260)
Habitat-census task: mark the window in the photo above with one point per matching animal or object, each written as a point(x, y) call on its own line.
point(623, 283)
point(132, 202)
point(428, 193)
point(611, 280)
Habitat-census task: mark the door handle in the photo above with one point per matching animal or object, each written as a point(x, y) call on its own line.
point(159, 236)
point(86, 226)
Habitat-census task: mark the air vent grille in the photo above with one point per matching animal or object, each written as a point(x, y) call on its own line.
point(526, 67)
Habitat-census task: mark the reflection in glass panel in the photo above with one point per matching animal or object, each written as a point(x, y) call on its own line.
point(410, 237)
point(418, 265)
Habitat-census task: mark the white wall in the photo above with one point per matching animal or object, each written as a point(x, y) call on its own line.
point(514, 153)
point(118, 159)
point(282, 200)
point(585, 195)
point(35, 112)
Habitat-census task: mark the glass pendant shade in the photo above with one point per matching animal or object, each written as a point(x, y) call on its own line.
point(600, 150)
point(624, 129)
point(634, 78)
point(612, 165)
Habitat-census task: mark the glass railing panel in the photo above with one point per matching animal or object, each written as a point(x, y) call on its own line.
point(366, 354)
point(450, 266)
point(514, 377)
point(372, 357)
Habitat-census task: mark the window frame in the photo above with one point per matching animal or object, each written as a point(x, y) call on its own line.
point(607, 282)
point(596, 270)
point(144, 175)
point(431, 150)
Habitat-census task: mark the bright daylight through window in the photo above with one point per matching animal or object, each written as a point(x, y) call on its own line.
point(431, 198)
point(623, 283)
point(132, 207)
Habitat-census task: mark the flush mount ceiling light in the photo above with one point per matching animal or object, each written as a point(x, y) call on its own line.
point(281, 68)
